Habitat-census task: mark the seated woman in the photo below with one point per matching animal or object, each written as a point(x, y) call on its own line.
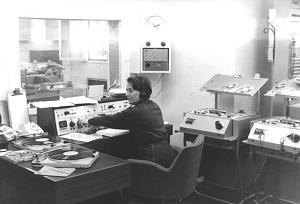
point(145, 121)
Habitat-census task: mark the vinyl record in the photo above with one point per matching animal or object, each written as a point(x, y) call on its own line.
point(73, 154)
point(45, 140)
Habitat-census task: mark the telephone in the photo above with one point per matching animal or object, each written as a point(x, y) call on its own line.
point(7, 133)
point(30, 128)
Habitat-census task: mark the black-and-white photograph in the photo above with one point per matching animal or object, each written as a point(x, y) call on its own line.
point(150, 102)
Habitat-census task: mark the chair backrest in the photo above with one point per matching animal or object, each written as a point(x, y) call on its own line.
point(187, 163)
point(174, 183)
point(189, 154)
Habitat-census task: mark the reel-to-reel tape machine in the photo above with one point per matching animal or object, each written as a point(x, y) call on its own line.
point(220, 123)
point(216, 123)
point(280, 133)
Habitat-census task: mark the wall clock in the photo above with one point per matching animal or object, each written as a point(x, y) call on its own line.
point(155, 22)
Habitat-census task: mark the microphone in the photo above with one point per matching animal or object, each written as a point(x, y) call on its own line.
point(116, 83)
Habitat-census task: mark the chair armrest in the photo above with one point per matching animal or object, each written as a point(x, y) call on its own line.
point(147, 164)
point(176, 148)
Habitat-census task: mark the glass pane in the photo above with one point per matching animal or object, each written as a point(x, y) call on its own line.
point(59, 56)
point(98, 40)
point(74, 42)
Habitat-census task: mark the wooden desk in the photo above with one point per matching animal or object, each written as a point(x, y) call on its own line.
point(18, 184)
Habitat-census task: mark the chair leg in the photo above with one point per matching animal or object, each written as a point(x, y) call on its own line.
point(125, 195)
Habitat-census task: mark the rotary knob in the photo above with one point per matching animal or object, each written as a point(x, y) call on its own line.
point(72, 124)
point(79, 123)
point(219, 125)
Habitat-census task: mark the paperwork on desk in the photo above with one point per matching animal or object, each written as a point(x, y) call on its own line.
point(53, 171)
point(52, 104)
point(3, 152)
point(77, 100)
point(63, 102)
point(81, 137)
point(109, 132)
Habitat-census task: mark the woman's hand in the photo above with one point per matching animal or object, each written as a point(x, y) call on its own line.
point(94, 127)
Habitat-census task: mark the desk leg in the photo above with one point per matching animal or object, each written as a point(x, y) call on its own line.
point(256, 197)
point(262, 174)
point(259, 183)
point(240, 179)
point(125, 195)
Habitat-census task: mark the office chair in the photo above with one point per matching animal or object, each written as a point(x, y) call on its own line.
point(152, 180)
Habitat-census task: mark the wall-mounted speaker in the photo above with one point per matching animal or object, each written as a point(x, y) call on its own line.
point(156, 57)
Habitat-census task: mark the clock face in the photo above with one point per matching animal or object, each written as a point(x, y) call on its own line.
point(155, 22)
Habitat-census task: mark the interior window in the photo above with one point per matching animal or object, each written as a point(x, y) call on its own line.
point(58, 57)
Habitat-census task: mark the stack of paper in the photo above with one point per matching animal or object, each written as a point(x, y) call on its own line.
point(51, 104)
point(53, 171)
point(80, 137)
point(77, 100)
point(109, 132)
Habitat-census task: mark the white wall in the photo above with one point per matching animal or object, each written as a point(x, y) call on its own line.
point(208, 37)
point(283, 37)
point(8, 57)
point(213, 37)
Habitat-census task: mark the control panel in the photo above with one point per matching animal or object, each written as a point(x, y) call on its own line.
point(203, 120)
point(216, 122)
point(278, 132)
point(112, 107)
point(73, 119)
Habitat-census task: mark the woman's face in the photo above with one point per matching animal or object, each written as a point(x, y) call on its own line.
point(132, 95)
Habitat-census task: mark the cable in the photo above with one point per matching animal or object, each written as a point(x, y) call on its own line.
point(159, 92)
point(157, 81)
point(261, 134)
point(247, 198)
point(282, 140)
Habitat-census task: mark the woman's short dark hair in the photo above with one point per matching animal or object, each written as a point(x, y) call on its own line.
point(141, 84)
